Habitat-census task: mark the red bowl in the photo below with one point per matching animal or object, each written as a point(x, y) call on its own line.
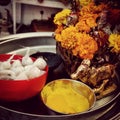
point(17, 90)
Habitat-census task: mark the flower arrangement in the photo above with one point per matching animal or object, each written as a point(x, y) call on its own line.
point(88, 34)
point(90, 24)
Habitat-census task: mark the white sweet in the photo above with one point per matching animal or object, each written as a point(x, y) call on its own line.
point(17, 70)
point(16, 63)
point(21, 76)
point(42, 72)
point(6, 64)
point(28, 67)
point(40, 63)
point(5, 77)
point(26, 60)
point(7, 73)
point(34, 72)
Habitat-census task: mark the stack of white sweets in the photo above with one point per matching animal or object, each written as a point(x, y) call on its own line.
point(23, 69)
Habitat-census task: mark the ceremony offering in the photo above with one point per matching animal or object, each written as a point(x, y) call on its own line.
point(88, 40)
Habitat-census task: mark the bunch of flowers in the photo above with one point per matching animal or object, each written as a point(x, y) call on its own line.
point(88, 40)
point(89, 29)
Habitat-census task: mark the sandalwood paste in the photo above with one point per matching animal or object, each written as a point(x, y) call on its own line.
point(67, 100)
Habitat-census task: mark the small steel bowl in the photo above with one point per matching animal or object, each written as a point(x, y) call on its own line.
point(59, 87)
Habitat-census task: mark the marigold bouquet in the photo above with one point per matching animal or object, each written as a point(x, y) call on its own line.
point(88, 40)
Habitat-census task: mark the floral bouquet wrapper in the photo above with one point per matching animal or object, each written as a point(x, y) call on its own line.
point(88, 40)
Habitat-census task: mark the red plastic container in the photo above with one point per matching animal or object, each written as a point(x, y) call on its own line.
point(17, 90)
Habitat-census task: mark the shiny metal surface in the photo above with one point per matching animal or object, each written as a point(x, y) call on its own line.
point(20, 41)
point(71, 85)
point(45, 42)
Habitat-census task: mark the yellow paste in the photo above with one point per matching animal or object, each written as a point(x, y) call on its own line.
point(67, 101)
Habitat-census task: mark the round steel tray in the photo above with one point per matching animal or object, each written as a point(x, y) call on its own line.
point(33, 109)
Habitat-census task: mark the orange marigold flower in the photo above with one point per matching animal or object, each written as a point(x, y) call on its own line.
point(58, 37)
point(92, 9)
point(86, 22)
point(86, 46)
point(81, 44)
point(87, 9)
point(68, 37)
point(81, 38)
point(91, 21)
point(82, 26)
point(58, 33)
point(59, 29)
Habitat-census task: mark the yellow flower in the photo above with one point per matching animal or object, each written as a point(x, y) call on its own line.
point(61, 17)
point(114, 40)
point(85, 2)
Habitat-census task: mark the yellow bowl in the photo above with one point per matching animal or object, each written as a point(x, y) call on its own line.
point(67, 96)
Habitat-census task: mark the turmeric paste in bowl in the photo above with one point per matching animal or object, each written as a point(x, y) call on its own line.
point(68, 96)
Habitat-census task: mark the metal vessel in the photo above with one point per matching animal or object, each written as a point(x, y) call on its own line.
point(33, 109)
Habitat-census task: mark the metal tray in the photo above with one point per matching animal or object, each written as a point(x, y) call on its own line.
point(33, 109)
